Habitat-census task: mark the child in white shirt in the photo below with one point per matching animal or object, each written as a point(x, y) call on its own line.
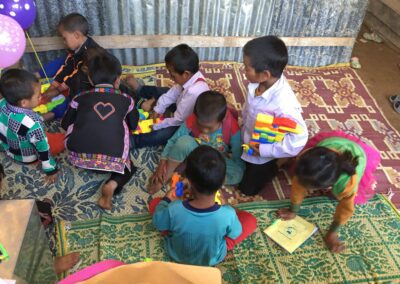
point(270, 93)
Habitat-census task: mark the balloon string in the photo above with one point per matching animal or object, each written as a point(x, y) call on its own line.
point(37, 57)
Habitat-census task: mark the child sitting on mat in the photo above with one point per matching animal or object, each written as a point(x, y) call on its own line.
point(269, 93)
point(199, 231)
point(341, 162)
point(98, 124)
point(22, 132)
point(210, 124)
point(99, 51)
point(70, 79)
point(182, 63)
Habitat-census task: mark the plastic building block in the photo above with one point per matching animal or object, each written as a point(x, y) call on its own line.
point(269, 129)
point(3, 253)
point(45, 108)
point(44, 87)
point(177, 185)
point(218, 198)
point(174, 180)
point(248, 149)
point(143, 114)
point(144, 126)
point(179, 189)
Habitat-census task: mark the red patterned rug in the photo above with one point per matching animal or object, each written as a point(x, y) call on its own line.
point(332, 98)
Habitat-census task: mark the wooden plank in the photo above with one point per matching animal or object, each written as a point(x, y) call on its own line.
point(154, 41)
point(393, 4)
point(386, 14)
point(373, 23)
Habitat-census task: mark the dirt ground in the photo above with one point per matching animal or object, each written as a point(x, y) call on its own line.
point(381, 74)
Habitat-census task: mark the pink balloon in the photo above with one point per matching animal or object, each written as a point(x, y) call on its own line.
point(12, 41)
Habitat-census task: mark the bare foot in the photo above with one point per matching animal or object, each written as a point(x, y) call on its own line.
point(63, 263)
point(107, 191)
point(333, 243)
point(132, 82)
point(154, 187)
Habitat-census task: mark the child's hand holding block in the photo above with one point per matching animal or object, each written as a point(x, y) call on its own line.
point(178, 188)
point(146, 125)
point(268, 130)
point(45, 108)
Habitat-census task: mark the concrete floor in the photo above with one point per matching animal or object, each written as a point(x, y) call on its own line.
point(381, 74)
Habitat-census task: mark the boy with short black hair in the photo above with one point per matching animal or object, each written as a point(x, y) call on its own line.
point(74, 29)
point(182, 63)
point(22, 134)
point(211, 123)
point(187, 240)
point(98, 124)
point(270, 93)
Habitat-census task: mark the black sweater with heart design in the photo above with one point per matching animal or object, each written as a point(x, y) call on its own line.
point(99, 123)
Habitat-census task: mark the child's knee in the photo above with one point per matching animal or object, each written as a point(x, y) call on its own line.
point(248, 219)
point(248, 188)
point(252, 222)
point(248, 222)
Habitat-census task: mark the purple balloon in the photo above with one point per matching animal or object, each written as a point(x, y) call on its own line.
point(23, 11)
point(12, 41)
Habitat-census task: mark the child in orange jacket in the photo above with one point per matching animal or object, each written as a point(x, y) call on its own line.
point(341, 162)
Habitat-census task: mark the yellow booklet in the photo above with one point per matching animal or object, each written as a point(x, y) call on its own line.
point(290, 234)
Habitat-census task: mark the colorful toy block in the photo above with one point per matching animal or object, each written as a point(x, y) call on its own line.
point(269, 129)
point(45, 108)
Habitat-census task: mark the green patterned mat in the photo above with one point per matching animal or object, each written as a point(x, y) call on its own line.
point(372, 237)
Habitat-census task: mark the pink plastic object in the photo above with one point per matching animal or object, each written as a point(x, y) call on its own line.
point(91, 271)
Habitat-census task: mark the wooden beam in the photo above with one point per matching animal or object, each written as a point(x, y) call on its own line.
point(151, 41)
point(388, 35)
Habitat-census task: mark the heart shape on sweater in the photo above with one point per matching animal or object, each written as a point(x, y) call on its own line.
point(104, 110)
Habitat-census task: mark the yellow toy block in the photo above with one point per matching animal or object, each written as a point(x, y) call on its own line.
point(265, 118)
point(218, 198)
point(268, 123)
point(44, 87)
point(144, 126)
point(41, 109)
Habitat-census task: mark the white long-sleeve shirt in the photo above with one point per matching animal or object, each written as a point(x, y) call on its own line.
point(279, 101)
point(184, 96)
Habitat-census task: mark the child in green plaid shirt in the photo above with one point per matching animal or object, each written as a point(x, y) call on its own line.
point(22, 134)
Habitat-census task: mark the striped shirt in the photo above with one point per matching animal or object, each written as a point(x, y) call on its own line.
point(23, 138)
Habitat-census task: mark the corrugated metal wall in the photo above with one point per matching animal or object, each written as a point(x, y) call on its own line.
point(298, 18)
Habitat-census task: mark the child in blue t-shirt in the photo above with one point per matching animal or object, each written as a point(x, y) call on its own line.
point(199, 231)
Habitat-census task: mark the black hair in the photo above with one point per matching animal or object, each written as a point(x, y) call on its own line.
point(91, 53)
point(210, 106)
point(16, 85)
point(267, 53)
point(182, 58)
point(74, 22)
point(205, 169)
point(104, 69)
point(321, 167)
